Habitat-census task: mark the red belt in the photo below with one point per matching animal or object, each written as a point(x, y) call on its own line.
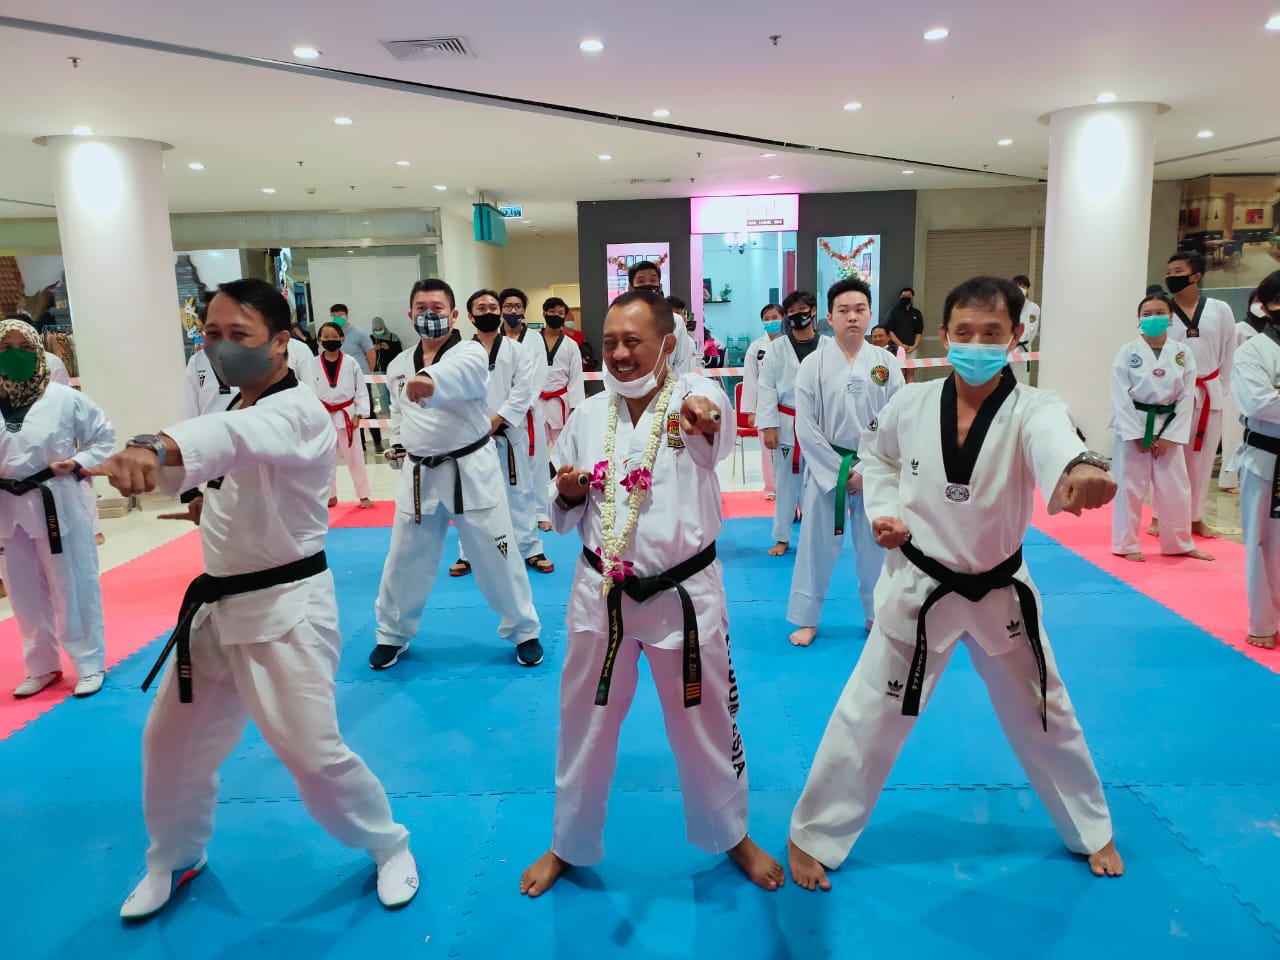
point(1203, 425)
point(558, 395)
point(528, 422)
point(342, 408)
point(795, 446)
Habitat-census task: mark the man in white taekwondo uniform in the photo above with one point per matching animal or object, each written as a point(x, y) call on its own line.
point(257, 635)
point(337, 380)
point(1153, 391)
point(1255, 386)
point(1208, 328)
point(511, 390)
point(440, 437)
point(752, 364)
point(949, 481)
point(514, 303)
point(647, 275)
point(562, 388)
point(47, 555)
point(1030, 329)
point(636, 475)
point(840, 390)
point(1232, 425)
point(776, 411)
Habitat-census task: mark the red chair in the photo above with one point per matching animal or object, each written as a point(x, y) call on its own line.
point(744, 430)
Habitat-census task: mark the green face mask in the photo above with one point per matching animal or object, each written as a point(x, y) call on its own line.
point(18, 365)
point(340, 321)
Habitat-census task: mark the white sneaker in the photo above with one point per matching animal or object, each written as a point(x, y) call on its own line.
point(88, 685)
point(397, 880)
point(33, 685)
point(150, 896)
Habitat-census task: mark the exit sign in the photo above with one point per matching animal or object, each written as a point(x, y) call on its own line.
point(511, 212)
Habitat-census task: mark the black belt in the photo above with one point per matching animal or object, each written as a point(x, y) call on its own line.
point(641, 589)
point(206, 589)
point(1261, 441)
point(437, 461)
point(511, 454)
point(38, 481)
point(973, 587)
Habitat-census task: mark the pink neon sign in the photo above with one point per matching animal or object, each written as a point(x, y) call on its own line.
point(774, 213)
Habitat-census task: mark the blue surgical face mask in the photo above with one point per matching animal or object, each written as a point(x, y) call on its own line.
point(1154, 326)
point(978, 363)
point(431, 325)
point(773, 327)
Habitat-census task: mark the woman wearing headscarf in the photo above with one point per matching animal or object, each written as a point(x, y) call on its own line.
point(46, 531)
point(387, 347)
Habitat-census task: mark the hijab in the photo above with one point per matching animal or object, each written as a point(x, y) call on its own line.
point(23, 393)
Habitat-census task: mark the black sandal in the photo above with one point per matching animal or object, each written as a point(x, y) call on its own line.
point(460, 569)
point(540, 563)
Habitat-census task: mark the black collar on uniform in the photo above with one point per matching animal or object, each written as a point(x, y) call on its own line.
point(493, 351)
point(284, 383)
point(552, 351)
point(1192, 323)
point(455, 338)
point(959, 461)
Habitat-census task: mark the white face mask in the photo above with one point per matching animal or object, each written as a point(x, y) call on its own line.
point(1258, 310)
point(634, 389)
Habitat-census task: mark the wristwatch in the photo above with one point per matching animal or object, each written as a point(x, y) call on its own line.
point(151, 442)
point(1092, 459)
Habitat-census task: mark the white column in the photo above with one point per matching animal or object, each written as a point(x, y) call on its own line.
point(113, 222)
point(1097, 230)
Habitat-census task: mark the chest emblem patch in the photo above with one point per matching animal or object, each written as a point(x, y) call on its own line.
point(957, 492)
point(674, 439)
point(880, 374)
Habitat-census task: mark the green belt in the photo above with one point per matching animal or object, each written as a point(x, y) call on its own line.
point(1152, 410)
point(842, 485)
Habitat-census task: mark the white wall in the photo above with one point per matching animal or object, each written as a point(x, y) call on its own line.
point(535, 264)
point(215, 266)
point(465, 265)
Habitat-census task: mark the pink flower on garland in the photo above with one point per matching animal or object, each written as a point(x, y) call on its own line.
point(639, 479)
point(598, 473)
point(616, 568)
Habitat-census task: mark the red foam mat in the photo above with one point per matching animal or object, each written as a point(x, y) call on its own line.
point(139, 602)
point(1210, 595)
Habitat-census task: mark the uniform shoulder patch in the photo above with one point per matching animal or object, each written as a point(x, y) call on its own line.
point(674, 439)
point(880, 374)
point(1181, 358)
point(1135, 361)
point(760, 354)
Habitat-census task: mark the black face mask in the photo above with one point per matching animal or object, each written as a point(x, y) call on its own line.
point(513, 320)
point(331, 345)
point(1176, 285)
point(904, 303)
point(487, 322)
point(799, 321)
point(691, 325)
point(554, 322)
point(652, 288)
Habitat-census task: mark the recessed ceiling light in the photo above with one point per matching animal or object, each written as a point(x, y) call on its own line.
point(662, 112)
point(1106, 98)
point(364, 223)
point(937, 33)
point(1006, 142)
point(268, 189)
point(1204, 134)
point(82, 131)
point(1271, 158)
point(441, 186)
point(1274, 22)
point(907, 173)
point(343, 121)
point(853, 105)
point(195, 166)
point(306, 53)
point(774, 176)
point(397, 186)
point(604, 156)
point(591, 46)
point(402, 163)
point(768, 155)
point(524, 221)
point(350, 251)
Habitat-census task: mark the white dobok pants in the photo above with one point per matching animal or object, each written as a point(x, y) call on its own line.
point(787, 486)
point(1262, 554)
point(414, 561)
point(527, 499)
point(867, 730)
point(705, 741)
point(354, 458)
point(286, 687)
point(1137, 471)
point(819, 551)
point(1200, 463)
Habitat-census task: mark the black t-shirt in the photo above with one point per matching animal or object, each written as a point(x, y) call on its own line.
point(907, 323)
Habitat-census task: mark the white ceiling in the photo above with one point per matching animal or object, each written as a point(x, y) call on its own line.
point(711, 63)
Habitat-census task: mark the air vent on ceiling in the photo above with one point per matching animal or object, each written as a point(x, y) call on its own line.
point(431, 49)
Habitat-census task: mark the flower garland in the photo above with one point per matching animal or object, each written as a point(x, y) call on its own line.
point(637, 482)
point(846, 260)
point(622, 264)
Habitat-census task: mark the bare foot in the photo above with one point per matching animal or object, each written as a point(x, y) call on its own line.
point(1202, 529)
point(366, 503)
point(760, 868)
point(806, 872)
point(539, 877)
point(1135, 557)
point(544, 525)
point(99, 538)
point(779, 548)
point(1106, 862)
point(1267, 643)
point(333, 501)
point(1235, 490)
point(804, 636)
point(1154, 529)
point(771, 496)
point(1198, 555)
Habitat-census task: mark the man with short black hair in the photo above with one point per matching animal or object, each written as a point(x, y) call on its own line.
point(563, 387)
point(646, 275)
point(906, 327)
point(1030, 328)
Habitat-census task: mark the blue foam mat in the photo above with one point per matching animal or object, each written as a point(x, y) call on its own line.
point(960, 859)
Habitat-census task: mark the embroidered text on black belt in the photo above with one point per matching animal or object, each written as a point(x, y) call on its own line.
point(206, 589)
point(641, 589)
point(39, 481)
point(431, 463)
point(1261, 441)
point(502, 432)
point(973, 587)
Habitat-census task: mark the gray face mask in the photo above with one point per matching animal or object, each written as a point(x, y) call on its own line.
point(236, 364)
